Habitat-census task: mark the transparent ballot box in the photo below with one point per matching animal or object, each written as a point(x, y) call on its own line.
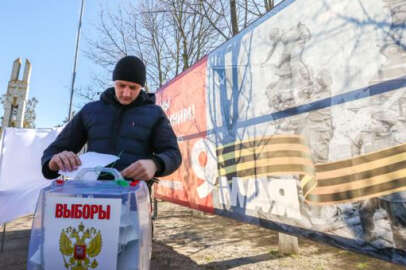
point(82, 225)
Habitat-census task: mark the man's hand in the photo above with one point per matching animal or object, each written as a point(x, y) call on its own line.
point(65, 161)
point(143, 169)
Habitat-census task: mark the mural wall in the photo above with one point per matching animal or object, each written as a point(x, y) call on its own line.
point(299, 124)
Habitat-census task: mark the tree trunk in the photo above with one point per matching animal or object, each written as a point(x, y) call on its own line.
point(234, 21)
point(269, 4)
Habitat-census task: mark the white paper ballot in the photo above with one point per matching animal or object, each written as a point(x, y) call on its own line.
point(91, 160)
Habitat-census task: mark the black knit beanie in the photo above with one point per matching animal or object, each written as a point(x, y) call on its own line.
point(130, 68)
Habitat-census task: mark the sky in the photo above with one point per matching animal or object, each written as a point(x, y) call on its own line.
point(45, 33)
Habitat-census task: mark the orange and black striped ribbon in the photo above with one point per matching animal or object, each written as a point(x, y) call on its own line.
point(359, 178)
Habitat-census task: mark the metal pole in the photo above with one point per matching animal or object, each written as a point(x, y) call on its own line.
point(155, 215)
point(3, 135)
point(75, 60)
point(3, 236)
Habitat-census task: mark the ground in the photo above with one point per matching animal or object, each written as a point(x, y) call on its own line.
point(186, 240)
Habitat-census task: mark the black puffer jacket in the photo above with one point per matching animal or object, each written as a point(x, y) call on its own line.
point(140, 130)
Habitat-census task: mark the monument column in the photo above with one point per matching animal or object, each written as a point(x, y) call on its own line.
point(16, 96)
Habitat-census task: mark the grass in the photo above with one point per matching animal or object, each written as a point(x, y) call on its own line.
point(275, 254)
point(362, 265)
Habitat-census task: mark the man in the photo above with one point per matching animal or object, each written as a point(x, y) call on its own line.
point(124, 122)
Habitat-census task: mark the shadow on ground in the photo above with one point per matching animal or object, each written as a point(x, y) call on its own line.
point(214, 242)
point(14, 255)
point(187, 240)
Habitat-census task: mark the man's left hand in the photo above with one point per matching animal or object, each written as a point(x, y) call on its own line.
point(143, 169)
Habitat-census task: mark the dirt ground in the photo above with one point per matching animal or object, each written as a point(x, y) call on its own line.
point(186, 240)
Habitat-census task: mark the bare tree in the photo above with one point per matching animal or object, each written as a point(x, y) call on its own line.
point(30, 115)
point(195, 32)
point(168, 35)
point(227, 18)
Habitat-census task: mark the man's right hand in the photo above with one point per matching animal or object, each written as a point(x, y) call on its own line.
point(65, 161)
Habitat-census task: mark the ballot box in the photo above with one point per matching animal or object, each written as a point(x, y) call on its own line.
point(100, 225)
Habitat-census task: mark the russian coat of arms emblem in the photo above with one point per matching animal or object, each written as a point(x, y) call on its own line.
point(80, 246)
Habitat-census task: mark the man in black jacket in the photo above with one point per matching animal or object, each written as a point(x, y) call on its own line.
point(124, 122)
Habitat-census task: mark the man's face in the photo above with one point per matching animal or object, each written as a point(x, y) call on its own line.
point(126, 92)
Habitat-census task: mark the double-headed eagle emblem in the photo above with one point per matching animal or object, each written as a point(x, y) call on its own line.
point(79, 247)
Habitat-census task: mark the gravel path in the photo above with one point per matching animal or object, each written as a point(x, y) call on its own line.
point(186, 240)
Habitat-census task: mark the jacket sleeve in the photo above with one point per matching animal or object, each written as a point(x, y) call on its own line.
point(165, 146)
point(72, 138)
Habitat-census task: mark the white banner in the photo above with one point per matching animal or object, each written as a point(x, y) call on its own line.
point(20, 170)
point(81, 232)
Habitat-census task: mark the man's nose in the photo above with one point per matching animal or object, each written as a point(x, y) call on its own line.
point(127, 92)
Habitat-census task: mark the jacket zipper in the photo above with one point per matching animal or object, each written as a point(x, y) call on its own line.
point(116, 129)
